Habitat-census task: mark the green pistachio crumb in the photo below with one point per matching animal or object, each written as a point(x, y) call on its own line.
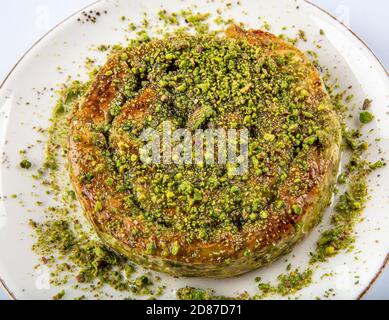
point(175, 248)
point(59, 295)
point(297, 209)
point(25, 164)
point(151, 247)
point(376, 165)
point(365, 117)
point(98, 206)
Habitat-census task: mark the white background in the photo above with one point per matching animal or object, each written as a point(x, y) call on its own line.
point(21, 25)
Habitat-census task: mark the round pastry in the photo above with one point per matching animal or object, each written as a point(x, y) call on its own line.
point(203, 218)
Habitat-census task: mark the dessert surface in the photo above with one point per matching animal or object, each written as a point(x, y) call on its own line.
point(198, 218)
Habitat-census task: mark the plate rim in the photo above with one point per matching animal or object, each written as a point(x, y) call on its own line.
point(385, 262)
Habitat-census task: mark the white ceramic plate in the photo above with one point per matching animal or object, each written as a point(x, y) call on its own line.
point(26, 102)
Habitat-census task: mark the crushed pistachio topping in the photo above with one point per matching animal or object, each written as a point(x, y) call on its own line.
point(288, 283)
point(201, 82)
point(349, 206)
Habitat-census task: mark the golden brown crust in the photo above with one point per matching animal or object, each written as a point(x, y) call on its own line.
point(199, 257)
